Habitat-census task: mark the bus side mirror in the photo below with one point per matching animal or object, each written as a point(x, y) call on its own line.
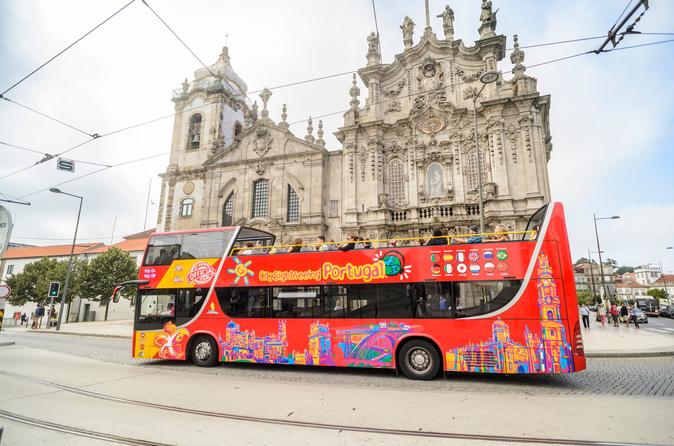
point(116, 294)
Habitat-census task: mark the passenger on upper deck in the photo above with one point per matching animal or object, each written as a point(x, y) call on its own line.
point(296, 247)
point(437, 238)
point(501, 234)
point(350, 245)
point(475, 236)
point(249, 249)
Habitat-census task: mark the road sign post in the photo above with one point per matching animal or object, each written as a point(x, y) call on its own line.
point(54, 288)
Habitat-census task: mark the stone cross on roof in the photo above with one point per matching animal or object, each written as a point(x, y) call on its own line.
point(265, 95)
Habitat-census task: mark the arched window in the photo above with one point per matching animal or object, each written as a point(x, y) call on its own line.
point(228, 211)
point(471, 169)
point(194, 135)
point(293, 205)
point(186, 207)
point(260, 198)
point(435, 180)
point(396, 182)
point(238, 128)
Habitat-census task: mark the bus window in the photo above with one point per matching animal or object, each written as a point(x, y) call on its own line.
point(156, 307)
point(398, 300)
point(534, 224)
point(188, 303)
point(162, 250)
point(475, 298)
point(361, 301)
point(244, 302)
point(296, 301)
point(334, 301)
point(436, 298)
point(204, 245)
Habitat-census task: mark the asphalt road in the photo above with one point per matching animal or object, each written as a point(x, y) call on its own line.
point(645, 377)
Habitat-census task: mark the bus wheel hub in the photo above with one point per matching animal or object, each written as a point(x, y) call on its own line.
point(203, 350)
point(419, 359)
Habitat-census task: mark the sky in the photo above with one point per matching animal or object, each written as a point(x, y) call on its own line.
point(611, 119)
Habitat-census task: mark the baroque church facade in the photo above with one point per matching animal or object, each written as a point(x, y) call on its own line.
point(408, 161)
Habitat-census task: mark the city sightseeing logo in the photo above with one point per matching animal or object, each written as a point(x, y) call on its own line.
point(394, 263)
point(201, 273)
point(241, 271)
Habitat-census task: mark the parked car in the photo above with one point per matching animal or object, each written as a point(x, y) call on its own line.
point(667, 311)
point(641, 316)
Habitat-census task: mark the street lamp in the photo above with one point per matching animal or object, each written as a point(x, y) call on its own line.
point(601, 264)
point(72, 251)
point(594, 291)
point(486, 78)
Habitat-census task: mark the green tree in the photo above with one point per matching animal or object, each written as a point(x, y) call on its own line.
point(583, 260)
point(657, 293)
point(624, 269)
point(32, 284)
point(585, 298)
point(611, 262)
point(104, 273)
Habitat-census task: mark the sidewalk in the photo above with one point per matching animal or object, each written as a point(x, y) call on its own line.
point(600, 342)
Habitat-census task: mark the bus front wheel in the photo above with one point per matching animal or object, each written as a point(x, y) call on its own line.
point(419, 359)
point(204, 351)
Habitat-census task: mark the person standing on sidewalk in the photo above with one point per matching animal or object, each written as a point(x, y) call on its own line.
point(585, 315)
point(633, 316)
point(625, 315)
point(601, 311)
point(615, 312)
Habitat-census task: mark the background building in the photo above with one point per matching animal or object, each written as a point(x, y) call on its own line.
point(587, 274)
point(408, 160)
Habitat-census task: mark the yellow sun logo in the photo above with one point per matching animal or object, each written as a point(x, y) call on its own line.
point(241, 271)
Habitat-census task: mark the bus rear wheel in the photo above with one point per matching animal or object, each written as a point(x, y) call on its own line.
point(419, 359)
point(204, 351)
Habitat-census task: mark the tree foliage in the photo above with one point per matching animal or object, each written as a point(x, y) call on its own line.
point(657, 293)
point(583, 260)
point(105, 272)
point(32, 284)
point(585, 298)
point(624, 269)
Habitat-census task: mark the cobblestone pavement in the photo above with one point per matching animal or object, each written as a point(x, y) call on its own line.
point(643, 377)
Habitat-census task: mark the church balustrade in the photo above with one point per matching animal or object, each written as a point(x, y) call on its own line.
point(400, 215)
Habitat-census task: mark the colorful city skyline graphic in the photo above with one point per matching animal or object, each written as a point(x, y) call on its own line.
point(367, 345)
point(547, 352)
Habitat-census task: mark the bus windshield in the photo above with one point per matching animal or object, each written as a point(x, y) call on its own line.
point(163, 249)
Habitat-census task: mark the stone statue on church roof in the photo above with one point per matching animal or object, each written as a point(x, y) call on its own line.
point(408, 31)
point(487, 20)
point(373, 55)
point(448, 22)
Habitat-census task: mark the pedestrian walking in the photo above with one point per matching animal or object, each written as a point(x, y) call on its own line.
point(615, 312)
point(585, 315)
point(24, 319)
point(624, 315)
point(601, 311)
point(633, 316)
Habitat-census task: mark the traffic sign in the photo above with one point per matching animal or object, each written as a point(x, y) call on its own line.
point(65, 164)
point(5, 291)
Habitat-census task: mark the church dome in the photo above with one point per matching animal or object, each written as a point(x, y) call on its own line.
point(222, 67)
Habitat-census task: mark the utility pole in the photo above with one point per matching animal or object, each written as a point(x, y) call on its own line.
point(594, 291)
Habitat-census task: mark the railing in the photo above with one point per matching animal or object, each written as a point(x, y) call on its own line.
point(453, 212)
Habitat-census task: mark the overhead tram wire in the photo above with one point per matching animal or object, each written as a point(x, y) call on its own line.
point(141, 124)
point(93, 135)
point(65, 49)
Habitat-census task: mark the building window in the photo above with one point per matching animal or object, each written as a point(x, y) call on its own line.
point(10, 269)
point(260, 198)
point(186, 207)
point(228, 211)
point(194, 135)
point(333, 208)
point(396, 182)
point(472, 169)
point(293, 205)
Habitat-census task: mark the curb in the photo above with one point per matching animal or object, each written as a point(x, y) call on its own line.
point(630, 354)
point(94, 335)
point(6, 343)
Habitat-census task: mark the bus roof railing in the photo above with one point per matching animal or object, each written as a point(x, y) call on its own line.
point(386, 242)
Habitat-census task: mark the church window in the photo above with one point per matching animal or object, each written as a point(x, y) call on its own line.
point(472, 172)
point(194, 135)
point(238, 128)
point(260, 198)
point(228, 211)
point(293, 205)
point(333, 208)
point(396, 182)
point(435, 180)
point(186, 207)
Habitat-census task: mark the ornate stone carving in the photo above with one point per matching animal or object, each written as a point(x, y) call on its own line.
point(408, 31)
point(354, 92)
point(265, 95)
point(431, 125)
point(188, 188)
point(310, 129)
point(488, 20)
point(262, 142)
point(516, 58)
point(448, 22)
point(393, 106)
point(394, 92)
point(362, 159)
point(373, 55)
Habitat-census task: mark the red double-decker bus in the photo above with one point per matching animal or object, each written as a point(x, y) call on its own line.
point(489, 307)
